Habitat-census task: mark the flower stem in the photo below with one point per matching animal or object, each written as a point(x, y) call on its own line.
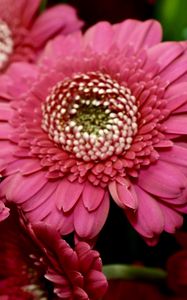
point(117, 271)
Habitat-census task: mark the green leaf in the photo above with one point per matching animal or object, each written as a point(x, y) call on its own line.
point(43, 5)
point(118, 271)
point(173, 16)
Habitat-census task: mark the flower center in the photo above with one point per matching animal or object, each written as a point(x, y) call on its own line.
point(6, 44)
point(91, 115)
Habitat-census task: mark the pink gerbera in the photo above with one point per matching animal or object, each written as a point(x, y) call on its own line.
point(26, 257)
point(106, 115)
point(22, 34)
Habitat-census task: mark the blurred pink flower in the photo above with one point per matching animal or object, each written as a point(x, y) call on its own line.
point(23, 34)
point(25, 259)
point(106, 115)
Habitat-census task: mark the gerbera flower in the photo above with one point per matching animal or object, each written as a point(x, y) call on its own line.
point(22, 34)
point(25, 259)
point(106, 115)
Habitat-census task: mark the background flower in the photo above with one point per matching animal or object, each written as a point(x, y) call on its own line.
point(177, 267)
point(61, 164)
point(27, 255)
point(76, 274)
point(23, 34)
point(137, 290)
point(20, 278)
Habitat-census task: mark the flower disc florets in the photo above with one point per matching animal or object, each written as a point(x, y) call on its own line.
point(91, 115)
point(6, 44)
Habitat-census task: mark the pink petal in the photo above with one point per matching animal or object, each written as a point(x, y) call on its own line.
point(92, 196)
point(124, 195)
point(5, 81)
point(124, 30)
point(148, 220)
point(11, 10)
point(162, 179)
point(87, 257)
point(5, 111)
point(43, 211)
point(22, 75)
point(96, 283)
point(176, 155)
point(4, 185)
point(99, 37)
point(60, 18)
point(67, 194)
point(23, 187)
point(14, 165)
point(175, 70)
point(46, 210)
point(176, 124)
point(164, 54)
point(65, 222)
point(61, 46)
point(178, 101)
point(30, 8)
point(88, 224)
point(176, 97)
point(182, 108)
point(139, 34)
point(5, 130)
point(37, 200)
point(30, 167)
point(175, 89)
point(172, 219)
point(4, 211)
point(79, 293)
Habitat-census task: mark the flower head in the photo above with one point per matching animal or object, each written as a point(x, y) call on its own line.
point(76, 274)
point(27, 256)
point(21, 279)
point(23, 35)
point(108, 118)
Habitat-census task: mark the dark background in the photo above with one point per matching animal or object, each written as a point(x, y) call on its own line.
point(114, 11)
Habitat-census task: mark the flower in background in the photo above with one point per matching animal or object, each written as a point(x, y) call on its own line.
point(106, 115)
point(138, 290)
point(26, 257)
point(76, 274)
point(177, 267)
point(21, 279)
point(23, 34)
point(134, 290)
